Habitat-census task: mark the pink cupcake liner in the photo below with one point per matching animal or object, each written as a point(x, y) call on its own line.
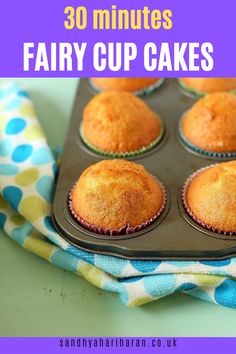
point(124, 230)
point(189, 211)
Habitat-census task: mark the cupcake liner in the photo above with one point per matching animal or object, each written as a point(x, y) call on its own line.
point(143, 92)
point(189, 211)
point(194, 148)
point(127, 154)
point(124, 230)
point(190, 91)
point(193, 92)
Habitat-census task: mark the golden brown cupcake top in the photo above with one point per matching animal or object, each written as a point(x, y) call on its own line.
point(119, 122)
point(209, 85)
point(211, 123)
point(123, 84)
point(211, 196)
point(115, 193)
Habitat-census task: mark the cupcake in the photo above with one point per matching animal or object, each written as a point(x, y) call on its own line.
point(134, 85)
point(120, 124)
point(209, 197)
point(209, 127)
point(202, 86)
point(116, 197)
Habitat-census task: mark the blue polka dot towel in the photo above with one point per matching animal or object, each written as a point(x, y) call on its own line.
point(27, 180)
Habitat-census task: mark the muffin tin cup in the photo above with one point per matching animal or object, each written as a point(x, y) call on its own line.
point(127, 154)
point(188, 91)
point(232, 234)
point(124, 230)
point(143, 92)
point(199, 151)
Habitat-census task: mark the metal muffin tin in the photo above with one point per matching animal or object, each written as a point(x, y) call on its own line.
point(174, 235)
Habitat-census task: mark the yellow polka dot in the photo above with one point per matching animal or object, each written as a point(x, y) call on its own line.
point(17, 220)
point(32, 208)
point(92, 274)
point(208, 280)
point(3, 203)
point(39, 247)
point(34, 132)
point(27, 110)
point(140, 301)
point(27, 177)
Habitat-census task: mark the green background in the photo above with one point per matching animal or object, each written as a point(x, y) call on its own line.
point(38, 299)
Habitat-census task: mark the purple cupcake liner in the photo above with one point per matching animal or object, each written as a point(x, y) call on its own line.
point(189, 211)
point(124, 230)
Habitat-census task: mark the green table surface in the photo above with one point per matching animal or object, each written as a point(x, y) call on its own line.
point(38, 299)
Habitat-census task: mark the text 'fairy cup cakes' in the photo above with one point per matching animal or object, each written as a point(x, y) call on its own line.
point(209, 197)
point(209, 127)
point(116, 197)
point(138, 86)
point(119, 124)
point(203, 86)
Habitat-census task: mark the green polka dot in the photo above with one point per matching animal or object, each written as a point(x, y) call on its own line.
point(27, 177)
point(17, 220)
point(32, 208)
point(92, 274)
point(27, 110)
point(34, 132)
point(40, 247)
point(208, 280)
point(140, 301)
point(3, 203)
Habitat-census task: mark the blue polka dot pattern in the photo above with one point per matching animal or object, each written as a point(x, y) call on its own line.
point(15, 126)
point(48, 223)
point(8, 169)
point(186, 287)
point(136, 282)
point(85, 256)
point(60, 258)
point(107, 263)
point(161, 285)
point(3, 219)
point(13, 195)
point(23, 93)
point(225, 294)
point(145, 267)
point(221, 263)
point(42, 156)
point(45, 187)
point(5, 147)
point(20, 234)
point(22, 153)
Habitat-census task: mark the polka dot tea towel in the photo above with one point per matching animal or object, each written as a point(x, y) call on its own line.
point(27, 181)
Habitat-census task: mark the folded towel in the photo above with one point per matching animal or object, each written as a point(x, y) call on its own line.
point(27, 181)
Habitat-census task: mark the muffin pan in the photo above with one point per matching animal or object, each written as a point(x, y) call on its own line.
point(172, 236)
